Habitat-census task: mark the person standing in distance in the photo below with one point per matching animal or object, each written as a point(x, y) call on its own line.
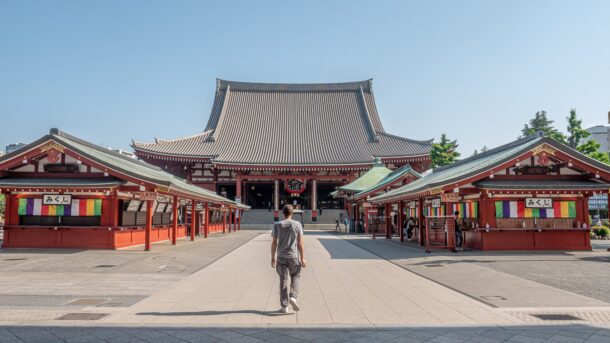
point(288, 246)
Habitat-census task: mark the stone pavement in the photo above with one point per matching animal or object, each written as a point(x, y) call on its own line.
point(467, 274)
point(343, 284)
point(349, 293)
point(284, 334)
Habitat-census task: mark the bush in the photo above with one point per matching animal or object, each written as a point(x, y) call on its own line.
point(602, 231)
point(593, 234)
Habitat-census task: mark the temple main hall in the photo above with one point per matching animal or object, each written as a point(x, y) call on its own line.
point(269, 144)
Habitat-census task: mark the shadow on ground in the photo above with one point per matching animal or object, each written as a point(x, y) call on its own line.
point(563, 333)
point(214, 313)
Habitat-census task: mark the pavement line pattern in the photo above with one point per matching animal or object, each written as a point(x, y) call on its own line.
point(343, 284)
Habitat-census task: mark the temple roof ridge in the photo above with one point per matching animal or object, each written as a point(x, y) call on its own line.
point(367, 86)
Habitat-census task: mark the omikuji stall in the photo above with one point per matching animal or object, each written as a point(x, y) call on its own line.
point(64, 192)
point(529, 194)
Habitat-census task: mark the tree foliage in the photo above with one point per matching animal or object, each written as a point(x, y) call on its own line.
point(575, 131)
point(540, 122)
point(574, 139)
point(444, 152)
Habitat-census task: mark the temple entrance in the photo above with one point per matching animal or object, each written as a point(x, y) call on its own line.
point(259, 195)
point(327, 201)
point(226, 190)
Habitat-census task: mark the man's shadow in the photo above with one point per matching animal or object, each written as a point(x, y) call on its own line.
point(215, 313)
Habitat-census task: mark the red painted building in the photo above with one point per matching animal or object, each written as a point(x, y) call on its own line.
point(269, 144)
point(64, 192)
point(531, 194)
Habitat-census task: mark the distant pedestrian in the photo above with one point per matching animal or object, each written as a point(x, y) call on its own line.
point(288, 245)
point(409, 226)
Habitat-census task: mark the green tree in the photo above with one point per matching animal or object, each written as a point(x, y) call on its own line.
point(540, 122)
point(591, 149)
point(444, 152)
point(575, 131)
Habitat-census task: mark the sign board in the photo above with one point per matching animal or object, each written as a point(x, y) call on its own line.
point(450, 197)
point(436, 203)
point(538, 202)
point(295, 186)
point(412, 204)
point(198, 206)
point(238, 200)
point(61, 168)
point(146, 195)
point(56, 199)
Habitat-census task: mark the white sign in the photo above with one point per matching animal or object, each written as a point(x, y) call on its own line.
point(238, 200)
point(436, 203)
point(56, 199)
point(412, 204)
point(538, 202)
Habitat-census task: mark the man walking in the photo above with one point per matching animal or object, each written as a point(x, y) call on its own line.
point(288, 244)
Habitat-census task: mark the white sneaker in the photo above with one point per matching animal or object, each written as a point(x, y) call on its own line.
point(284, 310)
point(294, 304)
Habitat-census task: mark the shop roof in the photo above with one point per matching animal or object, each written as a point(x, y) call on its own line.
point(368, 179)
point(388, 180)
point(124, 165)
point(291, 125)
point(480, 164)
point(542, 185)
point(87, 182)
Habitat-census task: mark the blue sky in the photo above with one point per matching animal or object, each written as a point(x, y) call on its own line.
point(112, 71)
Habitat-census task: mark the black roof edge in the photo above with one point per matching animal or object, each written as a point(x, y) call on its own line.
point(367, 86)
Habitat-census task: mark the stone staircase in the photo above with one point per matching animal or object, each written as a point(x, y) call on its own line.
point(264, 216)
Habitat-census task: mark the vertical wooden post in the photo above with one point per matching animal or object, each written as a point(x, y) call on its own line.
point(149, 219)
point(314, 200)
point(192, 219)
point(388, 221)
point(174, 220)
point(7, 208)
point(229, 219)
point(224, 221)
point(420, 221)
point(401, 209)
point(239, 220)
point(235, 220)
point(206, 230)
point(276, 200)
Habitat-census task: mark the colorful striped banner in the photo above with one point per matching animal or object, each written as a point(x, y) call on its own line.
point(78, 208)
point(430, 211)
point(466, 209)
point(411, 212)
point(517, 209)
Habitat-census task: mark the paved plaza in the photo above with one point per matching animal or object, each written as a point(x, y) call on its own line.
point(354, 289)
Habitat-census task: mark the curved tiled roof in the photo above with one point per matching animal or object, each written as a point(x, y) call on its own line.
point(291, 124)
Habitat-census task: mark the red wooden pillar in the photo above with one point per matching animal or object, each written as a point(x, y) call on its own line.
point(388, 221)
point(235, 220)
point(206, 230)
point(7, 209)
point(366, 219)
point(224, 221)
point(174, 220)
point(401, 208)
point(229, 219)
point(585, 205)
point(193, 219)
point(149, 218)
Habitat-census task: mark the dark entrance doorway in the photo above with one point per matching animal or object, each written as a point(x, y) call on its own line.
point(259, 195)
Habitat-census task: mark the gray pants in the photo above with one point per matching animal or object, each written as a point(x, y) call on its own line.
point(285, 267)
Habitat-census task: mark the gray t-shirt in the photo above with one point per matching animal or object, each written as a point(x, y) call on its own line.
point(287, 232)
